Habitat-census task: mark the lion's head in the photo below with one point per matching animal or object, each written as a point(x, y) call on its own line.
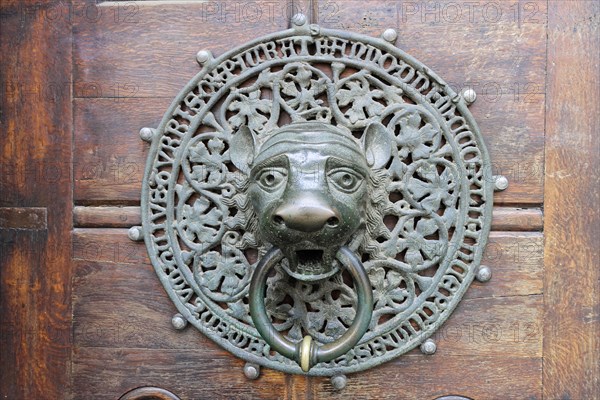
point(313, 188)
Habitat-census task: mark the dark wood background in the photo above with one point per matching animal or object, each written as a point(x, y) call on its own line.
point(82, 313)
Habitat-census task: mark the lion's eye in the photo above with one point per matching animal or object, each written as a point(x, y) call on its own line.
point(271, 178)
point(345, 179)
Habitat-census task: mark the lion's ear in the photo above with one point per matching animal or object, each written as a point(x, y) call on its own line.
point(241, 149)
point(377, 143)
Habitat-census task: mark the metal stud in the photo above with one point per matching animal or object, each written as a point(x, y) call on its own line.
point(147, 134)
point(252, 371)
point(339, 381)
point(469, 95)
point(484, 273)
point(390, 35)
point(500, 183)
point(428, 347)
point(135, 233)
point(179, 322)
point(299, 19)
point(203, 56)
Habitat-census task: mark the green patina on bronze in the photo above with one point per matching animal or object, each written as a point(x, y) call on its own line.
point(298, 158)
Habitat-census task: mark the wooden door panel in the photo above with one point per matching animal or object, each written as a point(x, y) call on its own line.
point(572, 186)
point(477, 378)
point(497, 322)
point(531, 332)
point(150, 50)
point(109, 164)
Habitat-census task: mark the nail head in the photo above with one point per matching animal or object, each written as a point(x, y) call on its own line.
point(339, 381)
point(135, 233)
point(428, 347)
point(252, 371)
point(484, 273)
point(179, 322)
point(390, 35)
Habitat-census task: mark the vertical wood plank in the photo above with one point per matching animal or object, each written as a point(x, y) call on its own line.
point(35, 169)
point(571, 223)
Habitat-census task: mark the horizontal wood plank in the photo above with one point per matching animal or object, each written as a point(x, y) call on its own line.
point(420, 377)
point(106, 217)
point(517, 263)
point(504, 218)
point(108, 245)
point(506, 55)
point(110, 158)
point(136, 50)
point(517, 219)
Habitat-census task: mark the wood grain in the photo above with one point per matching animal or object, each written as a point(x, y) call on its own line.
point(419, 377)
point(109, 246)
point(166, 38)
point(23, 218)
point(110, 158)
point(106, 373)
point(106, 217)
point(516, 260)
point(572, 223)
point(517, 219)
point(35, 156)
point(500, 51)
point(504, 218)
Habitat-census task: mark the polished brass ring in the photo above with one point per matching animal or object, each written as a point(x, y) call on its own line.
point(306, 352)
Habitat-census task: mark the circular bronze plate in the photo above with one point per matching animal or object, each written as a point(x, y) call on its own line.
point(428, 224)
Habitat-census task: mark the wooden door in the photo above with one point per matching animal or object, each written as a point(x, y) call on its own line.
point(83, 315)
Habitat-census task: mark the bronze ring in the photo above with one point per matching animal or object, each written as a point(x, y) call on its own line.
point(306, 352)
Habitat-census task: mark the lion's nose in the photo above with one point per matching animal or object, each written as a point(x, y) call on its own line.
point(307, 215)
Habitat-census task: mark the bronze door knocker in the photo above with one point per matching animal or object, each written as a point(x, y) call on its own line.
point(317, 201)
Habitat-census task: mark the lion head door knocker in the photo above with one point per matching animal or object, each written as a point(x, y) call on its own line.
point(317, 201)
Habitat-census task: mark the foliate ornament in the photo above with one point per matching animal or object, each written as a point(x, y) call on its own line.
point(327, 177)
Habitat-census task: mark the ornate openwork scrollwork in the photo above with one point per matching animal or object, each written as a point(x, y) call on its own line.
point(425, 221)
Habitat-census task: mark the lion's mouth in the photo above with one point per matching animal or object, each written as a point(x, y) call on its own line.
point(309, 264)
point(309, 257)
